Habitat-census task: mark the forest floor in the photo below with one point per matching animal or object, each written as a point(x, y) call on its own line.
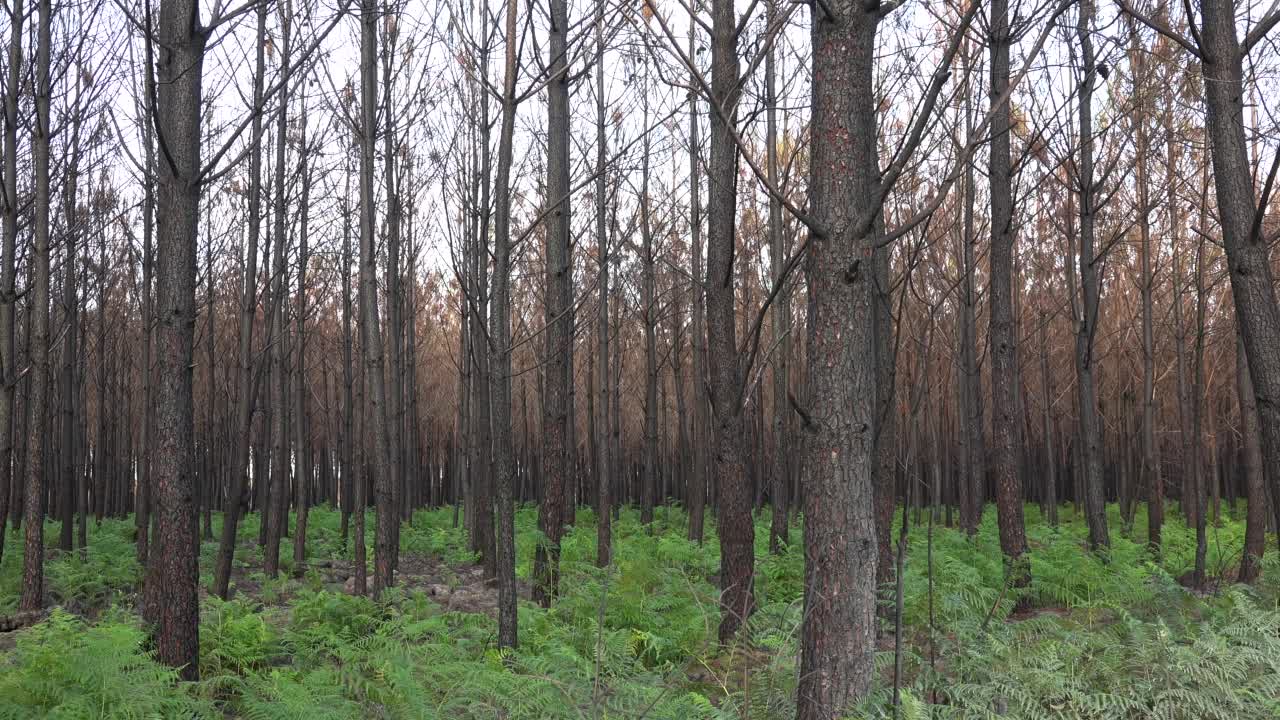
point(1113, 637)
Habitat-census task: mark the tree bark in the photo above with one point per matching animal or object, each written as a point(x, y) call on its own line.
point(8, 253)
point(558, 308)
point(1007, 440)
point(778, 531)
point(1090, 422)
point(385, 472)
point(648, 317)
point(500, 348)
point(1247, 254)
point(395, 296)
point(972, 485)
point(302, 426)
point(604, 473)
point(1150, 476)
point(276, 515)
point(698, 337)
point(71, 333)
point(1255, 534)
point(737, 531)
point(482, 477)
point(838, 633)
point(179, 69)
point(1050, 446)
point(33, 510)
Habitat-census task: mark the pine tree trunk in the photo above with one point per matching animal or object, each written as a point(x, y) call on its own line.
point(9, 484)
point(1005, 415)
point(604, 471)
point(648, 316)
point(500, 349)
point(394, 367)
point(178, 106)
point(558, 309)
point(1247, 255)
point(1255, 534)
point(1149, 476)
point(1090, 422)
point(737, 531)
point(973, 468)
point(386, 463)
point(33, 509)
point(701, 416)
point(838, 633)
point(303, 426)
point(276, 515)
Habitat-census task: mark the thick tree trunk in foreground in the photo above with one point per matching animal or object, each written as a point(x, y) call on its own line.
point(698, 339)
point(500, 349)
point(846, 195)
point(1247, 254)
point(604, 474)
point(1090, 422)
point(276, 514)
point(371, 330)
point(179, 70)
point(33, 510)
point(394, 365)
point(481, 485)
point(8, 296)
point(557, 450)
point(838, 634)
point(737, 531)
point(1007, 441)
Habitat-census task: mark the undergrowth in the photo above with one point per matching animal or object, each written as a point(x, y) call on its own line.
point(1113, 636)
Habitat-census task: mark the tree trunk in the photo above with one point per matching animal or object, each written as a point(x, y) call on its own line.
point(1150, 476)
point(604, 473)
point(500, 348)
point(482, 477)
point(276, 515)
point(1255, 533)
point(648, 316)
point(778, 532)
point(178, 106)
point(33, 510)
point(385, 472)
point(360, 478)
point(1247, 253)
point(70, 337)
point(1197, 408)
point(838, 633)
point(1050, 446)
point(973, 469)
point(698, 339)
point(1090, 422)
point(737, 531)
point(558, 309)
point(1006, 418)
point(395, 303)
point(302, 427)
point(8, 296)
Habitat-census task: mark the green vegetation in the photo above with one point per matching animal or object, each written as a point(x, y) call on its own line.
point(1089, 639)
